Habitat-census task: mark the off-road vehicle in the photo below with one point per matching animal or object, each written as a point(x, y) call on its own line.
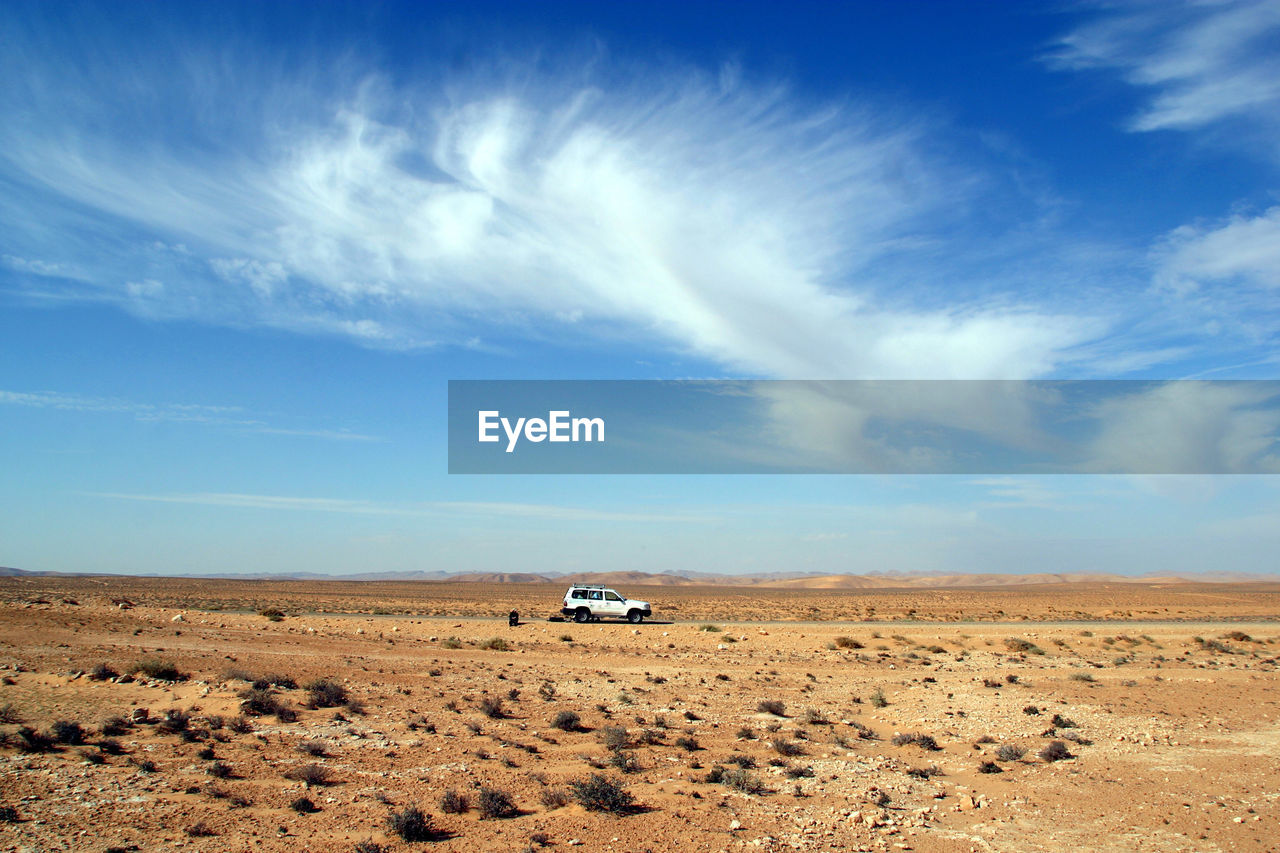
point(587, 602)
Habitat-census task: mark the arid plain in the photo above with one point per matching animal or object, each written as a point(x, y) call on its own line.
point(1088, 716)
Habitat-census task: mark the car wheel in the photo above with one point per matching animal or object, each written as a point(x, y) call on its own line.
point(635, 617)
point(583, 615)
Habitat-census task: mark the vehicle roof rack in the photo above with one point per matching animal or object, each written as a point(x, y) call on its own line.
point(590, 586)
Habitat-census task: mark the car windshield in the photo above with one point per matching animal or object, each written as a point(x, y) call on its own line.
point(613, 596)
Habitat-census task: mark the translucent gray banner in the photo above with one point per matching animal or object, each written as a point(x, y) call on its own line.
point(864, 427)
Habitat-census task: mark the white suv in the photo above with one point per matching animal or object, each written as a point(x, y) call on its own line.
point(585, 602)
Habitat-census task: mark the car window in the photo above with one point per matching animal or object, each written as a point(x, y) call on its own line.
point(579, 593)
point(595, 595)
point(613, 596)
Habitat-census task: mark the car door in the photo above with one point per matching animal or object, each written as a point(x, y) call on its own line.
point(614, 604)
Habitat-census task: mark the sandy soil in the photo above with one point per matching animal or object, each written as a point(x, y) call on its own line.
point(1171, 724)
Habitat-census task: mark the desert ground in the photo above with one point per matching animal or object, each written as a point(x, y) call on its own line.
point(148, 714)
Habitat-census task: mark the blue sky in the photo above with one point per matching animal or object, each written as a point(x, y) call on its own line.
point(244, 247)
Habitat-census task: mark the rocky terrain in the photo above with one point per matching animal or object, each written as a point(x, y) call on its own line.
point(160, 715)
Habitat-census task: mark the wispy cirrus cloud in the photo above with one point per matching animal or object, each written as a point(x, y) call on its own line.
point(482, 509)
point(730, 220)
point(233, 417)
point(1209, 68)
point(1202, 62)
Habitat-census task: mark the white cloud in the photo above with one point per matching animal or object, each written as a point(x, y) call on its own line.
point(1244, 251)
point(233, 417)
point(1204, 61)
point(1189, 428)
point(726, 220)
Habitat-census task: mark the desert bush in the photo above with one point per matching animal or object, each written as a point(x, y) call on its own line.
point(615, 737)
point(798, 771)
point(786, 747)
point(283, 682)
point(921, 740)
point(272, 613)
point(598, 793)
point(259, 701)
point(312, 775)
point(9, 715)
point(102, 672)
point(368, 846)
point(314, 748)
point(65, 731)
point(925, 772)
point(566, 638)
point(451, 802)
point(624, 761)
point(324, 693)
point(450, 643)
point(200, 829)
point(863, 732)
point(1061, 722)
point(412, 824)
point(8, 814)
point(240, 726)
point(814, 717)
point(491, 707)
point(147, 766)
point(688, 744)
point(1017, 644)
point(746, 762)
point(847, 643)
point(220, 770)
point(714, 629)
point(304, 805)
point(738, 779)
point(1081, 676)
point(1055, 751)
point(567, 721)
point(878, 700)
point(27, 739)
point(746, 733)
point(1031, 710)
point(554, 798)
point(772, 706)
point(494, 803)
point(497, 644)
point(110, 746)
point(989, 767)
point(206, 754)
point(649, 737)
point(1238, 636)
point(159, 669)
point(1010, 752)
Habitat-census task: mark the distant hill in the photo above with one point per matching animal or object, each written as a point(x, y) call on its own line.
point(767, 580)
